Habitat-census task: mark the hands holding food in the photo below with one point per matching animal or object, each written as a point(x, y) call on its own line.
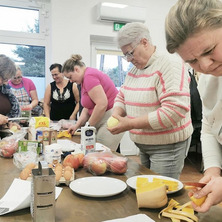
point(14, 127)
point(3, 119)
point(116, 126)
point(204, 198)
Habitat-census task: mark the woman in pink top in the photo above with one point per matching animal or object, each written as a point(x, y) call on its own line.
point(97, 97)
point(24, 90)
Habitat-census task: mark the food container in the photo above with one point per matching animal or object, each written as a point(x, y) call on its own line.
point(46, 137)
point(43, 194)
point(88, 138)
point(52, 153)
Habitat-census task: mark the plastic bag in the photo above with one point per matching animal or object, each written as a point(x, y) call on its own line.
point(9, 145)
point(99, 163)
point(22, 159)
point(65, 124)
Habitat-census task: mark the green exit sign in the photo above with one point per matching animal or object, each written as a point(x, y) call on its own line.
point(117, 26)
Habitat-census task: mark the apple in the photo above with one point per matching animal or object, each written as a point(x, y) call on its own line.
point(88, 159)
point(8, 148)
point(111, 122)
point(118, 165)
point(98, 167)
point(80, 156)
point(72, 161)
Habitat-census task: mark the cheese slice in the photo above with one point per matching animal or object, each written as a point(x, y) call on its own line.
point(151, 195)
point(171, 185)
point(141, 181)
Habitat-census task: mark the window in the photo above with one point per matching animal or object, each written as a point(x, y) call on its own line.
point(19, 19)
point(107, 58)
point(112, 63)
point(24, 37)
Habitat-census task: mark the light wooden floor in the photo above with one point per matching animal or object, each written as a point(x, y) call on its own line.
point(191, 170)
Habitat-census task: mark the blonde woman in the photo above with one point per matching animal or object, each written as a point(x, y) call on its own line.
point(97, 97)
point(194, 31)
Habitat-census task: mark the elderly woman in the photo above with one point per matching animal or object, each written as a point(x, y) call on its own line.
point(154, 103)
point(97, 97)
point(61, 100)
point(194, 31)
point(24, 89)
point(9, 104)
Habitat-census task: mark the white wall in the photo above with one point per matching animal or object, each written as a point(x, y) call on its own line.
point(74, 21)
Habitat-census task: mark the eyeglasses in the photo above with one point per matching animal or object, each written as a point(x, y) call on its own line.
point(19, 77)
point(129, 55)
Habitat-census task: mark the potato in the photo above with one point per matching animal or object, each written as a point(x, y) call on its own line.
point(67, 175)
point(25, 173)
point(111, 122)
point(30, 166)
point(58, 175)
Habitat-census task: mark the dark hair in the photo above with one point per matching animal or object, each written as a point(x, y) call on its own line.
point(56, 65)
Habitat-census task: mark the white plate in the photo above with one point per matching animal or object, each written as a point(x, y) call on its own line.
point(97, 186)
point(132, 181)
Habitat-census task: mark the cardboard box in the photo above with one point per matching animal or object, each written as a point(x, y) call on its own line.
point(26, 145)
point(46, 137)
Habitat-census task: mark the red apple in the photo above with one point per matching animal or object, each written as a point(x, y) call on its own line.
point(72, 161)
point(98, 167)
point(80, 156)
point(118, 165)
point(87, 160)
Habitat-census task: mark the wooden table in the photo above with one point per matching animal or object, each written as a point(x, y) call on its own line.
point(73, 207)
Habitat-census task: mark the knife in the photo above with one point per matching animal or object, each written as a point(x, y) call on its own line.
point(195, 184)
point(18, 118)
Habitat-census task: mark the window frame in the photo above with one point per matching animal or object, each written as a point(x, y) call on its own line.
point(34, 39)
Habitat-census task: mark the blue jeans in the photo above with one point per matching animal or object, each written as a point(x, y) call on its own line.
point(166, 160)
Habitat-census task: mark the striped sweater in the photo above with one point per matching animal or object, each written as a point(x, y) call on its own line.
point(161, 91)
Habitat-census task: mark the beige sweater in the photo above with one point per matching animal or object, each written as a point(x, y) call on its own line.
point(161, 91)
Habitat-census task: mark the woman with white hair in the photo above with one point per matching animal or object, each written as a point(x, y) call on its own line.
point(154, 103)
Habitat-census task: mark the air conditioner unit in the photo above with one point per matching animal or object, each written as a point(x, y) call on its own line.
point(111, 12)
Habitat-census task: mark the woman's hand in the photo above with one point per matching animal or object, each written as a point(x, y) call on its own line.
point(123, 125)
point(11, 124)
point(3, 119)
point(72, 129)
point(213, 191)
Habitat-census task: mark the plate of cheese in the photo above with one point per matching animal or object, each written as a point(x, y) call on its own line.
point(172, 184)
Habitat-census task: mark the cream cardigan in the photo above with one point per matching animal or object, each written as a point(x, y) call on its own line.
point(210, 88)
